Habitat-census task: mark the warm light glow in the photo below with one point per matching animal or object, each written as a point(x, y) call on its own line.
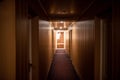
point(51, 28)
point(58, 35)
point(61, 21)
point(60, 27)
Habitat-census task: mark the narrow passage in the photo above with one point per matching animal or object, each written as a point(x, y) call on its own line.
point(62, 68)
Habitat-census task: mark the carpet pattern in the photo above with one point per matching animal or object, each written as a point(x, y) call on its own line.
point(62, 68)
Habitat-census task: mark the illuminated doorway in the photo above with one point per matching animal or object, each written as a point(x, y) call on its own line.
point(60, 40)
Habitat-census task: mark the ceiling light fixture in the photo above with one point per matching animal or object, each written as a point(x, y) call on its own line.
point(61, 21)
point(60, 27)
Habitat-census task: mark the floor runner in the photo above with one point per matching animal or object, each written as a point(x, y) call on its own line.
point(62, 68)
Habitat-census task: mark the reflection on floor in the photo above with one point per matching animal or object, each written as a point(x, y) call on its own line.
point(62, 68)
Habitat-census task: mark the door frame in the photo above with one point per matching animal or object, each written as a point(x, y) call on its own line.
point(64, 38)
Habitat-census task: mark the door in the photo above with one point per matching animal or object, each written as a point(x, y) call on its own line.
point(60, 40)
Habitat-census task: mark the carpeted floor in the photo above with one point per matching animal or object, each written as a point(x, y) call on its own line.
point(62, 68)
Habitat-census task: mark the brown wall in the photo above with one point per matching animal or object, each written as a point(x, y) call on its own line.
point(97, 48)
point(103, 46)
point(7, 40)
point(35, 48)
point(45, 49)
point(82, 53)
point(70, 42)
point(67, 41)
point(54, 41)
point(116, 40)
point(22, 40)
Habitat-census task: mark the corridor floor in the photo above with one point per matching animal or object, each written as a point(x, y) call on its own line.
point(62, 68)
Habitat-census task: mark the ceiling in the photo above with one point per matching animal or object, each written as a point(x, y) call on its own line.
point(61, 25)
point(67, 9)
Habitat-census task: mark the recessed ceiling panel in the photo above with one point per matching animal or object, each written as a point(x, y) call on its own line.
point(66, 9)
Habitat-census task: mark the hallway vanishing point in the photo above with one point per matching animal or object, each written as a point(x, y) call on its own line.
point(59, 39)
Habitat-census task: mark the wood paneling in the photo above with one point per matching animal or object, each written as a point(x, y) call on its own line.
point(7, 40)
point(45, 49)
point(82, 53)
point(116, 40)
point(22, 40)
point(67, 41)
point(35, 48)
point(70, 42)
point(97, 49)
point(103, 47)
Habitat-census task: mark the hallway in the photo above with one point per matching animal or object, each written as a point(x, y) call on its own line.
point(59, 39)
point(62, 68)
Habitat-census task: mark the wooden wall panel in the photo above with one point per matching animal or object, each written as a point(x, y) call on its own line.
point(22, 40)
point(82, 54)
point(116, 40)
point(7, 40)
point(67, 41)
point(70, 42)
point(97, 49)
point(54, 41)
point(103, 47)
point(45, 49)
point(35, 48)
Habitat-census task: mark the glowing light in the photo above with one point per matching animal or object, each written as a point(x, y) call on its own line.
point(60, 27)
point(51, 28)
point(61, 21)
point(58, 35)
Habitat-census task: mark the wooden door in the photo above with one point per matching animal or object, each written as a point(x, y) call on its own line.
point(60, 40)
